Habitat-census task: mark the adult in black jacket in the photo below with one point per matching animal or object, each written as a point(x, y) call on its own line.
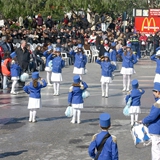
point(23, 56)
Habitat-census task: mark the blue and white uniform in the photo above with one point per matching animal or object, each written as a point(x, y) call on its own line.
point(135, 94)
point(106, 78)
point(80, 62)
point(153, 123)
point(75, 97)
point(110, 148)
point(34, 95)
point(155, 57)
point(127, 69)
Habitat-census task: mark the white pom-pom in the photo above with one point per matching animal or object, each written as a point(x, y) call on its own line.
point(24, 77)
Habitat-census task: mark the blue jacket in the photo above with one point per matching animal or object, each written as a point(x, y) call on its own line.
point(136, 96)
point(35, 92)
point(80, 59)
point(107, 68)
point(75, 94)
point(157, 60)
point(110, 149)
point(113, 56)
point(129, 60)
point(48, 57)
point(15, 70)
point(57, 64)
point(153, 119)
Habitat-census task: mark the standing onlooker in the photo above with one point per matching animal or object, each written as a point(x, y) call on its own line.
point(23, 56)
point(5, 64)
point(135, 94)
point(57, 64)
point(129, 59)
point(75, 97)
point(153, 123)
point(39, 20)
point(33, 89)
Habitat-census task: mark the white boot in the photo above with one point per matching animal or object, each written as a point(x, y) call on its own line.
point(124, 89)
point(107, 90)
point(78, 116)
point(103, 90)
point(34, 116)
point(30, 115)
point(74, 116)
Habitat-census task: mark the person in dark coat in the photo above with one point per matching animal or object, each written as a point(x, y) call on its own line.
point(23, 56)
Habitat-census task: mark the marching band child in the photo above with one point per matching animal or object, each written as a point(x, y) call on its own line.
point(15, 72)
point(80, 61)
point(129, 59)
point(57, 64)
point(48, 55)
point(75, 97)
point(107, 69)
point(156, 58)
point(108, 151)
point(153, 122)
point(135, 94)
point(34, 90)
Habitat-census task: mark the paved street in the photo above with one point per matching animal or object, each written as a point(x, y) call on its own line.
point(53, 137)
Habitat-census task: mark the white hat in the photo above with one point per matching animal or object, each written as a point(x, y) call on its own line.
point(158, 53)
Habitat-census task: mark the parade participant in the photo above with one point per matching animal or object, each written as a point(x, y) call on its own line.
point(103, 142)
point(5, 66)
point(75, 97)
point(135, 94)
point(33, 89)
point(48, 54)
point(113, 53)
point(153, 122)
point(80, 61)
point(156, 58)
point(107, 69)
point(15, 72)
point(57, 64)
point(129, 59)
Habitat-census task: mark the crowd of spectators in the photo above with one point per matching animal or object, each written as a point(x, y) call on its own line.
point(70, 32)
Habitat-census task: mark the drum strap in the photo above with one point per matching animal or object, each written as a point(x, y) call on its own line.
point(100, 147)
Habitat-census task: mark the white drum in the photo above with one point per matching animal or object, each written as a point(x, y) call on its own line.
point(140, 136)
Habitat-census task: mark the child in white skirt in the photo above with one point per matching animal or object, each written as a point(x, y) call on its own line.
point(129, 59)
point(57, 64)
point(156, 58)
point(15, 72)
point(107, 69)
point(75, 98)
point(34, 90)
point(80, 61)
point(135, 94)
point(49, 56)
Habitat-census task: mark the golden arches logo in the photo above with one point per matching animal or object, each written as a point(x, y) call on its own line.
point(149, 24)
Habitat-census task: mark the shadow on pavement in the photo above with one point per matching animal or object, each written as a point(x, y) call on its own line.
point(7, 154)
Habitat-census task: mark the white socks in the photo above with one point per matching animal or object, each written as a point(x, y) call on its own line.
point(78, 111)
point(48, 77)
point(13, 86)
point(125, 83)
point(56, 86)
point(105, 91)
point(134, 117)
point(32, 115)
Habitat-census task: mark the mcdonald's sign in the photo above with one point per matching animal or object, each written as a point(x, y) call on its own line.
point(147, 25)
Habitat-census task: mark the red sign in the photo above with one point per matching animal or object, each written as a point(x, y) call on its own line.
point(154, 12)
point(147, 25)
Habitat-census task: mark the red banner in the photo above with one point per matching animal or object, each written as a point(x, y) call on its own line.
point(147, 25)
point(154, 12)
